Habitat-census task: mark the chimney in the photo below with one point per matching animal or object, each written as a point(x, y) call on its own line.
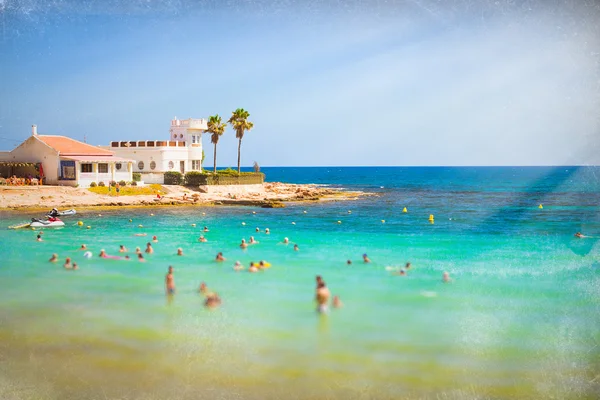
point(33, 130)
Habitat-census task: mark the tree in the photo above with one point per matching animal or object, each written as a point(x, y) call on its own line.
point(216, 127)
point(239, 122)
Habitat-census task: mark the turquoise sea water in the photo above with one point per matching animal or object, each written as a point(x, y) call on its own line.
point(521, 317)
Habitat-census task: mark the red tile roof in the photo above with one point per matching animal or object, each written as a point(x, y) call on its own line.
point(70, 147)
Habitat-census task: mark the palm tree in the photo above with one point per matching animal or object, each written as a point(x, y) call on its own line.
point(216, 128)
point(239, 122)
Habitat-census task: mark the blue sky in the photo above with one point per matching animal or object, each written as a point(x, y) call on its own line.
point(326, 82)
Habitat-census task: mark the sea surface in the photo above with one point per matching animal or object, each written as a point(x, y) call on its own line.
point(520, 318)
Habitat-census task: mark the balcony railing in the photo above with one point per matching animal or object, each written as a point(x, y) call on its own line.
point(148, 143)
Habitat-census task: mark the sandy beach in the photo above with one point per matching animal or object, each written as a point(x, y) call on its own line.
point(274, 195)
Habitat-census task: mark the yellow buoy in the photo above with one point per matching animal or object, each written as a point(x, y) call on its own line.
point(140, 226)
point(99, 215)
point(203, 213)
point(404, 210)
point(130, 220)
point(383, 221)
point(349, 212)
point(89, 227)
point(304, 212)
point(339, 222)
point(152, 215)
point(80, 223)
point(540, 206)
point(431, 217)
point(32, 228)
point(194, 225)
point(253, 212)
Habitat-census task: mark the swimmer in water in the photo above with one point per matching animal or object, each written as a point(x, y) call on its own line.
point(579, 235)
point(122, 249)
point(138, 250)
point(349, 262)
point(141, 257)
point(286, 241)
point(267, 231)
point(220, 257)
point(54, 258)
point(68, 264)
point(102, 254)
point(141, 234)
point(401, 273)
point(212, 300)
point(296, 248)
point(243, 245)
point(252, 267)
point(75, 266)
point(205, 229)
point(238, 266)
point(179, 251)
point(149, 248)
point(203, 288)
point(170, 282)
point(252, 241)
point(257, 229)
point(366, 259)
point(39, 238)
point(407, 266)
point(202, 239)
point(337, 303)
point(446, 277)
point(322, 297)
point(83, 247)
point(154, 239)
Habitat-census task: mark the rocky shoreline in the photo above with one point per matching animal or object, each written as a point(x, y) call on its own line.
point(275, 195)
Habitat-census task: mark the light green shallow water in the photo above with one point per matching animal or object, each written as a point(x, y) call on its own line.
point(520, 319)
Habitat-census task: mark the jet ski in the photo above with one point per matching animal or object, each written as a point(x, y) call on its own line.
point(49, 223)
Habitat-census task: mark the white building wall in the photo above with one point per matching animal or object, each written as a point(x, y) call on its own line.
point(35, 151)
point(84, 179)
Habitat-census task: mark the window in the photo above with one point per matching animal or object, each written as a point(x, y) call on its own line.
point(86, 167)
point(118, 166)
point(141, 165)
point(103, 168)
point(152, 165)
point(193, 138)
point(196, 165)
point(171, 165)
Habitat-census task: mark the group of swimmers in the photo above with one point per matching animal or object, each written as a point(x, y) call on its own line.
point(211, 299)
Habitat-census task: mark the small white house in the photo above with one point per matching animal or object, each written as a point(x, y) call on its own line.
point(182, 152)
point(66, 161)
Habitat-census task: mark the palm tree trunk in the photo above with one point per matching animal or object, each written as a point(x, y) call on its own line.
point(239, 149)
point(215, 159)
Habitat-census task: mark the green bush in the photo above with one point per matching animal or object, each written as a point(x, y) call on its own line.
point(133, 183)
point(122, 183)
point(113, 183)
point(137, 176)
point(193, 178)
point(173, 178)
point(101, 184)
point(245, 178)
point(93, 184)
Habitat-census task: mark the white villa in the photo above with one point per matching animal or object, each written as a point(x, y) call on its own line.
point(66, 161)
point(182, 152)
